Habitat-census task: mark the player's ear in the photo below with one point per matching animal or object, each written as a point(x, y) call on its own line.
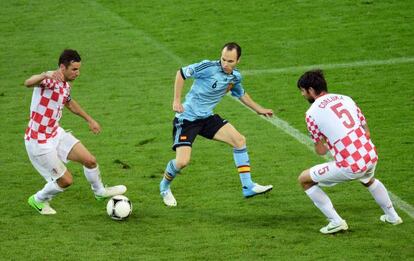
point(62, 66)
point(238, 59)
point(312, 91)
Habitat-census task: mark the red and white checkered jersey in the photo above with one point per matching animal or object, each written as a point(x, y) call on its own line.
point(48, 100)
point(337, 119)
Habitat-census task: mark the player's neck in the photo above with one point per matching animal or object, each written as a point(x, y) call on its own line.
point(320, 95)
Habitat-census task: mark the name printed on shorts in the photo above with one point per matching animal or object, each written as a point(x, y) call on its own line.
point(328, 100)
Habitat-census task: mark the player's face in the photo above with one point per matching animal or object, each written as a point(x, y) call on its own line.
point(71, 72)
point(307, 95)
point(229, 60)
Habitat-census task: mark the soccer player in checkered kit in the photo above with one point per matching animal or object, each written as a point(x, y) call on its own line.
point(336, 124)
point(49, 146)
point(212, 80)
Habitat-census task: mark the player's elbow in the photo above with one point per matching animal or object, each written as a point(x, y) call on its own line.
point(179, 75)
point(27, 84)
point(69, 106)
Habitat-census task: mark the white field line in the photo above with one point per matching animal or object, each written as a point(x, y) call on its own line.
point(139, 34)
point(302, 138)
point(301, 69)
point(275, 120)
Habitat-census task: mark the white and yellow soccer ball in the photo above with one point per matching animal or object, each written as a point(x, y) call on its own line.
point(119, 207)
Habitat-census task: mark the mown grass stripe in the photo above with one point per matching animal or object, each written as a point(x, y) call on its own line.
point(365, 63)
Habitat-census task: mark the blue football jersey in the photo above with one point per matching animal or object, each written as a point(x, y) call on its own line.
point(210, 84)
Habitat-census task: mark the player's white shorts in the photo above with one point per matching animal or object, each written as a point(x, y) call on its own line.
point(49, 158)
point(329, 174)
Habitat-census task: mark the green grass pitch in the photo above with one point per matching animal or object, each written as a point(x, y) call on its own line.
point(131, 51)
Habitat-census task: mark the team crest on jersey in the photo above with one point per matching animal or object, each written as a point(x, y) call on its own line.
point(189, 72)
point(229, 87)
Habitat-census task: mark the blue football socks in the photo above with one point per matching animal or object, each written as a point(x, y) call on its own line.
point(170, 173)
point(241, 158)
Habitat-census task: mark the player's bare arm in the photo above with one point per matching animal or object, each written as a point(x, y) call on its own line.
point(178, 88)
point(321, 148)
point(248, 101)
point(75, 108)
point(36, 79)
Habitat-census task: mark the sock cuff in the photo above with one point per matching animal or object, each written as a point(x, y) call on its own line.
point(240, 150)
point(91, 170)
point(172, 168)
point(312, 189)
point(374, 185)
point(175, 165)
point(57, 187)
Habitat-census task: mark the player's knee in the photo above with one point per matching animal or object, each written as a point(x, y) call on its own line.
point(240, 141)
point(65, 181)
point(303, 178)
point(182, 163)
point(90, 162)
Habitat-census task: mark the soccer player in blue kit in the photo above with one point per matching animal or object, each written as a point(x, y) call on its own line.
point(213, 79)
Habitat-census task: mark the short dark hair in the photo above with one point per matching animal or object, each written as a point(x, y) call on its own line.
point(232, 45)
point(314, 79)
point(69, 56)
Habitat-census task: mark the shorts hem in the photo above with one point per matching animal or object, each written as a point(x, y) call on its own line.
point(66, 160)
point(175, 146)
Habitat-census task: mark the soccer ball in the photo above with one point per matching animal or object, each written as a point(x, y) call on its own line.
point(119, 207)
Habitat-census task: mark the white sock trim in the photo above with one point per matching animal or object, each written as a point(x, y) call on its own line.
point(57, 187)
point(373, 185)
point(311, 189)
point(88, 169)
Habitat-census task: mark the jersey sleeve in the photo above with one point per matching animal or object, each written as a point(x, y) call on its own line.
point(238, 90)
point(361, 117)
point(313, 129)
point(197, 70)
point(47, 83)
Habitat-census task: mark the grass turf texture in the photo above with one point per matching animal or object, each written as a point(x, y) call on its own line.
point(130, 54)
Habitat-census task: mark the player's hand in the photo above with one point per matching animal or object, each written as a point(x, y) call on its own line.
point(48, 74)
point(55, 75)
point(58, 76)
point(94, 126)
point(178, 107)
point(265, 112)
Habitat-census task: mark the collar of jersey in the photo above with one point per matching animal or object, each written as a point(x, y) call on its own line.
point(221, 68)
